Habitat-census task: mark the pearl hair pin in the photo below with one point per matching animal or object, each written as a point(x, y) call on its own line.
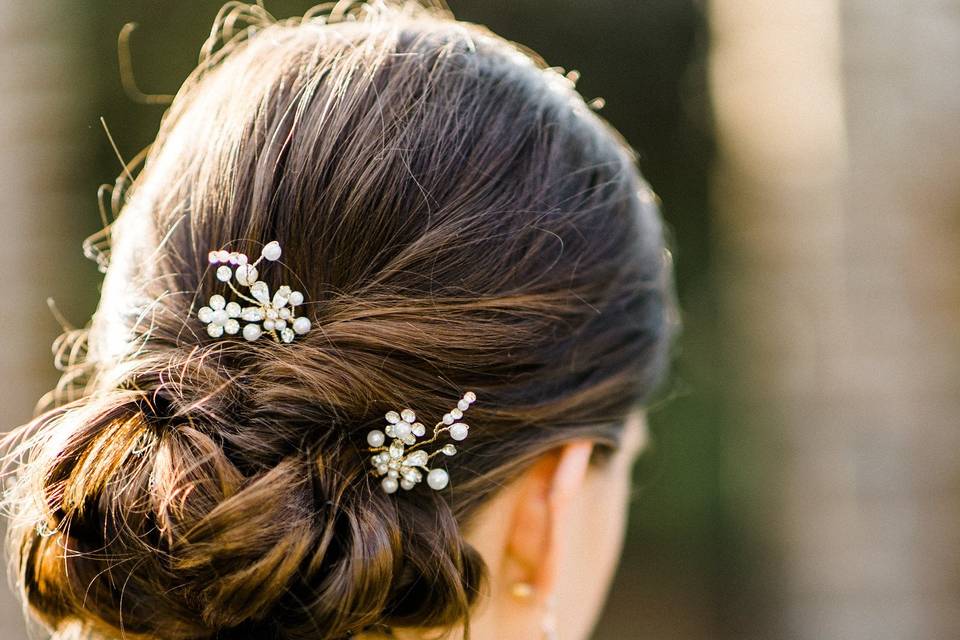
point(275, 314)
point(403, 463)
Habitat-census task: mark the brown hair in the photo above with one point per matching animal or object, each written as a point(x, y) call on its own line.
point(458, 219)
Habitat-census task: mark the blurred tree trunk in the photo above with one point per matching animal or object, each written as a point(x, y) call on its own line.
point(37, 117)
point(839, 194)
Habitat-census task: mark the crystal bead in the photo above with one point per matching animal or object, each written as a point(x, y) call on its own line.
point(287, 335)
point(233, 310)
point(418, 429)
point(205, 314)
point(223, 255)
point(449, 449)
point(392, 417)
point(252, 314)
point(409, 439)
point(457, 414)
point(416, 459)
point(217, 302)
point(231, 326)
point(408, 415)
point(470, 397)
point(396, 450)
point(285, 313)
point(224, 273)
point(268, 324)
point(463, 405)
point(214, 330)
point(260, 291)
point(447, 418)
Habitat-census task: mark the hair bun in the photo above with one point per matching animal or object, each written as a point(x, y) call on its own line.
point(154, 529)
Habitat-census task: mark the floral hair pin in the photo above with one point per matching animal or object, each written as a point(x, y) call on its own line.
point(274, 314)
point(403, 463)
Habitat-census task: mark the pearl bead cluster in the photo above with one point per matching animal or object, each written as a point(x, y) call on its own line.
point(403, 463)
point(274, 314)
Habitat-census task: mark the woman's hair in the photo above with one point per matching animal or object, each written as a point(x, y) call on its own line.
point(458, 219)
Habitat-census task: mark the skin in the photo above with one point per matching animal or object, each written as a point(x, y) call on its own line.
point(552, 540)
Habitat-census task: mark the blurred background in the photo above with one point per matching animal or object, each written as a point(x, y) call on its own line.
point(803, 480)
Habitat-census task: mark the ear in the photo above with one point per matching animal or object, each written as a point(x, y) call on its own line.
point(542, 513)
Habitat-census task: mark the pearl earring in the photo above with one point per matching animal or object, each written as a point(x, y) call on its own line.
point(522, 590)
point(548, 625)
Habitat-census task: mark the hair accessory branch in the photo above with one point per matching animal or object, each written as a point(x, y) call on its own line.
point(403, 463)
point(274, 314)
